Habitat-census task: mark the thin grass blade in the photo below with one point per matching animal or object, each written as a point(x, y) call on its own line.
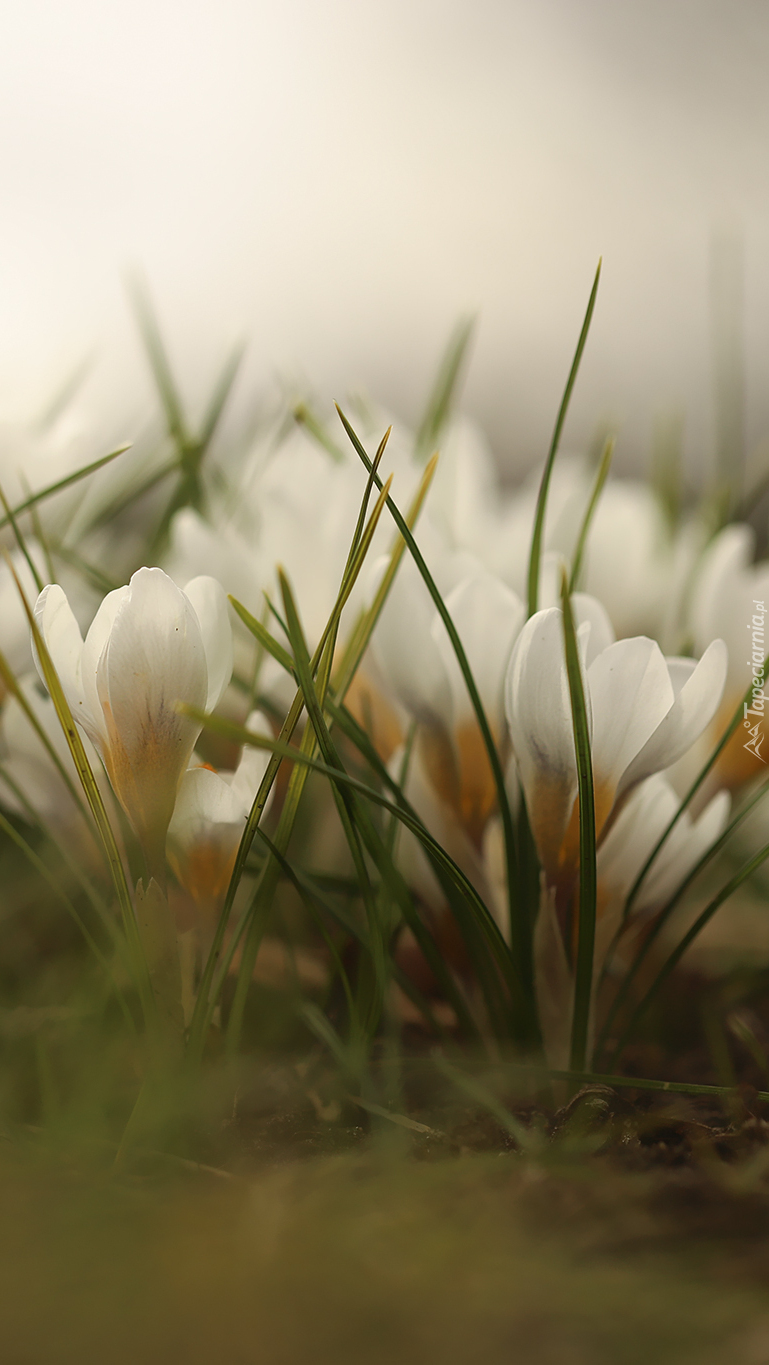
point(535, 555)
point(588, 881)
point(600, 479)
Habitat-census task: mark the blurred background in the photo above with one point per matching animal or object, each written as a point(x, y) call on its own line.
point(338, 181)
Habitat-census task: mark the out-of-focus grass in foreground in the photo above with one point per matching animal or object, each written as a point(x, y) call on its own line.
point(361, 1257)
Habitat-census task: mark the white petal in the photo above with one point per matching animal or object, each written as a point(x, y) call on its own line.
point(61, 633)
point(406, 652)
point(693, 709)
point(212, 610)
point(95, 642)
point(539, 714)
point(588, 608)
point(724, 571)
point(682, 849)
point(631, 693)
point(488, 617)
point(153, 659)
point(204, 799)
point(633, 835)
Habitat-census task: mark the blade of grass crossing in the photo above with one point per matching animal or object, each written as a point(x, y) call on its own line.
point(34, 499)
point(218, 401)
point(583, 976)
point(362, 631)
point(600, 480)
point(535, 554)
point(263, 636)
point(158, 360)
point(21, 542)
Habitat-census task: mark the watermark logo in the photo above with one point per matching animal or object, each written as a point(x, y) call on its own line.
point(754, 711)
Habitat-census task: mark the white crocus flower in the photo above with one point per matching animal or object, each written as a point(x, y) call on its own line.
point(416, 663)
point(149, 647)
point(730, 598)
point(210, 813)
point(644, 712)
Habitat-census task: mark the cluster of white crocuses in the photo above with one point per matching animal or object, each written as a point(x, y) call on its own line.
point(155, 644)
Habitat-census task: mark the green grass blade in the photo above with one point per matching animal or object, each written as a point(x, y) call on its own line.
point(479, 1094)
point(34, 499)
point(93, 575)
point(21, 542)
point(12, 686)
point(535, 554)
point(158, 360)
point(219, 397)
point(306, 418)
point(363, 629)
point(114, 508)
point(600, 480)
point(579, 1078)
point(263, 636)
point(361, 522)
point(588, 881)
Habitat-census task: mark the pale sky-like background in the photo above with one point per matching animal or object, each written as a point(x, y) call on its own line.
point(338, 180)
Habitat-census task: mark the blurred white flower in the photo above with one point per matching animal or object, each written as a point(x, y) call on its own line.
point(729, 591)
point(209, 816)
point(149, 647)
point(637, 565)
point(415, 662)
point(31, 784)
